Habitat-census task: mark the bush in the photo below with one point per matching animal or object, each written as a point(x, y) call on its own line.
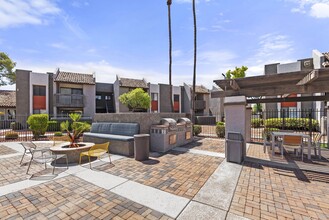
point(220, 130)
point(220, 123)
point(38, 124)
point(292, 123)
point(11, 135)
point(256, 123)
point(53, 126)
point(16, 126)
point(197, 130)
point(58, 134)
point(267, 132)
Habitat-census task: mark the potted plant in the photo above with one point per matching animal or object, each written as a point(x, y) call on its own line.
point(74, 129)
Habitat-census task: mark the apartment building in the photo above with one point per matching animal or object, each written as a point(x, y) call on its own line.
point(202, 99)
point(7, 105)
point(293, 109)
point(160, 98)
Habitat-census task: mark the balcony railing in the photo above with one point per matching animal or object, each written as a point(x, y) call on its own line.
point(200, 104)
point(68, 100)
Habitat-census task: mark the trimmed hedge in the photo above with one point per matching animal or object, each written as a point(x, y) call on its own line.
point(257, 122)
point(38, 124)
point(58, 134)
point(292, 123)
point(197, 130)
point(220, 130)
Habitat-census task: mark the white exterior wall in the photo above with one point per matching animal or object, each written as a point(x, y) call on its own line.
point(318, 59)
point(177, 91)
point(39, 79)
point(89, 92)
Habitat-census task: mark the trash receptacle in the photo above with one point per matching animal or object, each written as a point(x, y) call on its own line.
point(141, 146)
point(234, 147)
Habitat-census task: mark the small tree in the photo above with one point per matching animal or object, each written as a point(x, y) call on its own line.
point(77, 128)
point(238, 72)
point(136, 99)
point(7, 75)
point(38, 124)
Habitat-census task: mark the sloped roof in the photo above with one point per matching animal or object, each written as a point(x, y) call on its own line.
point(133, 83)
point(200, 89)
point(7, 99)
point(79, 78)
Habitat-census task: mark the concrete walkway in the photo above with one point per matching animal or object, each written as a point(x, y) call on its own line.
point(211, 202)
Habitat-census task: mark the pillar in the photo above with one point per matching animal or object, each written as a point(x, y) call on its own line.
point(248, 124)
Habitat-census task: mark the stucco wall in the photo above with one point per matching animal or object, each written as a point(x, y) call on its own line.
point(89, 92)
point(144, 119)
point(39, 79)
point(22, 92)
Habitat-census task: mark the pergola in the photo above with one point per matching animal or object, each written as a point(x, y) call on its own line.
point(276, 85)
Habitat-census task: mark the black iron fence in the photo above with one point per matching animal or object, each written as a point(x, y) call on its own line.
point(208, 123)
point(307, 121)
point(17, 129)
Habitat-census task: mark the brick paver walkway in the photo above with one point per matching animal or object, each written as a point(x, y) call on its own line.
point(6, 150)
point(178, 173)
point(207, 144)
point(12, 171)
point(71, 198)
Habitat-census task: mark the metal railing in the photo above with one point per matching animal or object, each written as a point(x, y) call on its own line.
point(68, 100)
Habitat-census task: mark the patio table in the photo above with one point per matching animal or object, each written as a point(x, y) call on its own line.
point(281, 134)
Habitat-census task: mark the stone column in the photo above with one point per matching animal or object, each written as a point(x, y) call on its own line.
point(235, 116)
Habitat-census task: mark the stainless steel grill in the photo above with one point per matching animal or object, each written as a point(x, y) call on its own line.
point(170, 123)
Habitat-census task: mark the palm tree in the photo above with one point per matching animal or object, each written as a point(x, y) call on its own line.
point(170, 55)
point(194, 62)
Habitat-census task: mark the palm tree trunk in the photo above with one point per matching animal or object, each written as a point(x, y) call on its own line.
point(170, 56)
point(194, 63)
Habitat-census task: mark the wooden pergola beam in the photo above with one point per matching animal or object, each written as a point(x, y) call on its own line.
point(234, 85)
point(290, 99)
point(309, 78)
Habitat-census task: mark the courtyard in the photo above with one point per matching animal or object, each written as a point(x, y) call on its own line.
point(189, 182)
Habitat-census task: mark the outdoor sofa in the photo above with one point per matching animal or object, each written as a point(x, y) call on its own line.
point(120, 136)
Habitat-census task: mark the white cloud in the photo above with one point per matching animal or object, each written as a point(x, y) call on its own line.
point(315, 8)
point(59, 45)
point(19, 12)
point(320, 10)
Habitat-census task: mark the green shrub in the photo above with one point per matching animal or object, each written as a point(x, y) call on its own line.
point(220, 123)
point(16, 126)
point(197, 130)
point(292, 123)
point(38, 124)
point(267, 132)
point(53, 126)
point(58, 134)
point(256, 123)
point(220, 130)
point(11, 135)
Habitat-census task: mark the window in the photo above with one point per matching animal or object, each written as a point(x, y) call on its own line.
point(39, 90)
point(154, 96)
point(71, 91)
point(98, 97)
point(176, 98)
point(108, 97)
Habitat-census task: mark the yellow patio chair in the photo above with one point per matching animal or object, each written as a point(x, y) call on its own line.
point(96, 151)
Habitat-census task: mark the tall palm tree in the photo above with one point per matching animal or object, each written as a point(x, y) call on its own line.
point(194, 62)
point(170, 56)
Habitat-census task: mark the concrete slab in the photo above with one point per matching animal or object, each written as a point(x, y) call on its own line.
point(198, 211)
point(14, 145)
point(231, 216)
point(14, 187)
point(202, 152)
point(158, 200)
point(219, 189)
point(101, 179)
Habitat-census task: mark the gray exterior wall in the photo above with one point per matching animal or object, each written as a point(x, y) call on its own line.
point(51, 93)
point(289, 67)
point(307, 64)
point(186, 99)
point(145, 120)
point(89, 92)
point(270, 69)
point(116, 90)
point(104, 87)
point(22, 92)
point(165, 99)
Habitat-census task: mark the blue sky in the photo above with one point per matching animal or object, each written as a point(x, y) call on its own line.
point(130, 38)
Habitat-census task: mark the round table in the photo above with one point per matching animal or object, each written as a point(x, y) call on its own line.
point(72, 153)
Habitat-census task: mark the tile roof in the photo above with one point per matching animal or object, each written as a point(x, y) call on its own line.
point(7, 98)
point(200, 89)
point(133, 83)
point(79, 78)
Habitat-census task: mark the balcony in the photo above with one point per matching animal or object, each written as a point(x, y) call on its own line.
point(200, 104)
point(68, 100)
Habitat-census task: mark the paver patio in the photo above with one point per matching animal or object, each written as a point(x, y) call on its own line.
point(207, 144)
point(263, 191)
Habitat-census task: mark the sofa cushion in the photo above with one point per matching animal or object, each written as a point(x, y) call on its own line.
point(125, 129)
point(109, 136)
point(103, 128)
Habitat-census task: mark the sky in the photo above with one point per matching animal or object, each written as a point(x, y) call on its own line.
point(129, 38)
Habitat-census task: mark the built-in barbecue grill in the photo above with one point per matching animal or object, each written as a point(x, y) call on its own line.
point(169, 134)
